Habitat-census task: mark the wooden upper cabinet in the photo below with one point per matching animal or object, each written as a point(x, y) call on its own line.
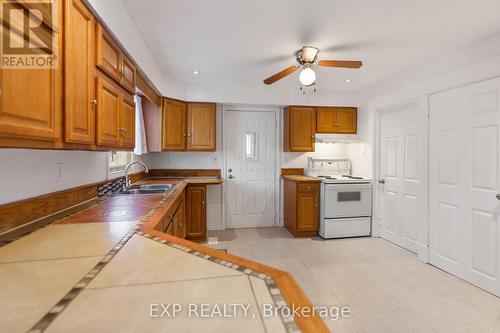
point(300, 127)
point(31, 103)
point(325, 119)
point(174, 125)
point(79, 87)
point(128, 74)
point(347, 120)
point(196, 212)
point(336, 120)
point(201, 124)
point(109, 100)
point(109, 54)
point(127, 128)
point(113, 61)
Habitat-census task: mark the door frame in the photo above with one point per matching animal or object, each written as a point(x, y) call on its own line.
point(423, 248)
point(277, 174)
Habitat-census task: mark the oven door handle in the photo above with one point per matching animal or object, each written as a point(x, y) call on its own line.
point(342, 187)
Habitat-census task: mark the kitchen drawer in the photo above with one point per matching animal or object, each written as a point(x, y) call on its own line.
point(307, 187)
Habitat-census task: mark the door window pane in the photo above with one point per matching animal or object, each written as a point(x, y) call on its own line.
point(251, 146)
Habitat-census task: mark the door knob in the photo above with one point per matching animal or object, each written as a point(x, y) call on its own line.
point(381, 181)
point(498, 196)
point(230, 176)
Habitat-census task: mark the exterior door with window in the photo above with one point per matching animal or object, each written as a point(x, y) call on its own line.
point(250, 161)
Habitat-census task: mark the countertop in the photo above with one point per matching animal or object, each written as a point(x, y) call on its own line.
point(106, 269)
point(301, 178)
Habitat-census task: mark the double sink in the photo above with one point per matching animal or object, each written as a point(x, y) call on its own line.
point(148, 189)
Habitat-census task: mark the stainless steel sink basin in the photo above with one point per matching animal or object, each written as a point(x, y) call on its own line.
point(155, 186)
point(149, 189)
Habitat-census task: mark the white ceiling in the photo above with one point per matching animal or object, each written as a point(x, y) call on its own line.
point(243, 42)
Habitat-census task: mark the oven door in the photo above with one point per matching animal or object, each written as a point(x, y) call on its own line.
point(347, 200)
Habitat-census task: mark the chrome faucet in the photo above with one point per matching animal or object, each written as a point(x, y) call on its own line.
point(128, 183)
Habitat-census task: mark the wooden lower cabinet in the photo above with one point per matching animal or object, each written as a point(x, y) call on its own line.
point(179, 221)
point(196, 212)
point(301, 208)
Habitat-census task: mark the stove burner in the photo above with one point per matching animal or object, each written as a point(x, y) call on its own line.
point(352, 177)
point(327, 177)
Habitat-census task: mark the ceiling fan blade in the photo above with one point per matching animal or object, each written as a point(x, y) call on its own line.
point(280, 75)
point(340, 63)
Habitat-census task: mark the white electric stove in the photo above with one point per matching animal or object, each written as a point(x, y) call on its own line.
point(345, 199)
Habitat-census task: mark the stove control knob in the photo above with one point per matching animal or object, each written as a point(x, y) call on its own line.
point(381, 181)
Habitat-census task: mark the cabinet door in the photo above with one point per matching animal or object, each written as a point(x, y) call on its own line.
point(109, 107)
point(307, 211)
point(174, 125)
point(196, 212)
point(109, 55)
point(300, 127)
point(179, 222)
point(325, 119)
point(201, 126)
point(127, 128)
point(346, 120)
point(79, 90)
point(31, 101)
point(128, 75)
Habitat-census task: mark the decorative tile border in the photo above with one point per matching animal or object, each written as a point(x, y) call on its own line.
point(274, 291)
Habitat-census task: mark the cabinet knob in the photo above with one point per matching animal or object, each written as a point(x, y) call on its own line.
point(498, 196)
point(189, 134)
point(381, 181)
point(93, 102)
point(312, 136)
point(230, 176)
point(203, 203)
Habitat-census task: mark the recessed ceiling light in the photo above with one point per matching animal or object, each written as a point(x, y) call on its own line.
point(195, 72)
point(347, 80)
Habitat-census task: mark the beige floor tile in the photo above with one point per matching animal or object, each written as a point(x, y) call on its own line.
point(28, 290)
point(127, 309)
point(272, 323)
point(158, 263)
point(65, 241)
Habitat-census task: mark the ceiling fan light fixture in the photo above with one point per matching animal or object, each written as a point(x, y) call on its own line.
point(309, 54)
point(307, 77)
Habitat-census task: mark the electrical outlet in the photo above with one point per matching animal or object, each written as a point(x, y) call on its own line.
point(59, 172)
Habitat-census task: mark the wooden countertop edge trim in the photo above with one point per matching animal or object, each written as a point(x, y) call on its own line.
point(291, 291)
point(300, 178)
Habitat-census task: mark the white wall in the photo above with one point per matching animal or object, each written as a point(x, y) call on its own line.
point(26, 173)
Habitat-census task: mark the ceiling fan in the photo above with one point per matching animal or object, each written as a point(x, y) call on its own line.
point(306, 57)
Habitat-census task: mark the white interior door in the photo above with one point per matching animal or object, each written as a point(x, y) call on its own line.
point(464, 229)
point(402, 205)
point(251, 166)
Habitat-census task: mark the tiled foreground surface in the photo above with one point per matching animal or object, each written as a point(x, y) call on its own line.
point(103, 276)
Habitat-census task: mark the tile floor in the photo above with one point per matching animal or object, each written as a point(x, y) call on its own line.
point(387, 288)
